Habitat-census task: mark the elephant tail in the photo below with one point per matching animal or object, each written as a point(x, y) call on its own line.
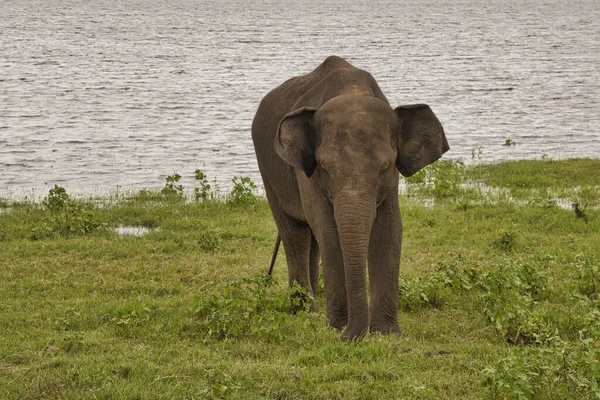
point(275, 251)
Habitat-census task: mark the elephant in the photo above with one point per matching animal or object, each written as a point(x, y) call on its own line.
point(330, 149)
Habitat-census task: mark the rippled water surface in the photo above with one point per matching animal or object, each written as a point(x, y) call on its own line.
point(113, 93)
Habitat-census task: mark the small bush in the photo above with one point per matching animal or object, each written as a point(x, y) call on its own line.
point(251, 307)
point(565, 371)
point(57, 199)
point(508, 294)
point(67, 216)
point(243, 192)
point(172, 188)
point(431, 290)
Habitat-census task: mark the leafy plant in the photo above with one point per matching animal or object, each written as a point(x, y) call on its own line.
point(588, 277)
point(72, 340)
point(509, 142)
point(243, 192)
point(506, 242)
point(220, 384)
point(508, 294)
point(431, 290)
point(57, 199)
point(172, 187)
point(203, 192)
point(208, 238)
point(443, 177)
point(251, 307)
point(67, 216)
point(511, 378)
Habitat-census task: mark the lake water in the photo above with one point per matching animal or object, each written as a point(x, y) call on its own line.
point(97, 95)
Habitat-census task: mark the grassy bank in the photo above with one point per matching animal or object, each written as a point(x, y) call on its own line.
point(499, 295)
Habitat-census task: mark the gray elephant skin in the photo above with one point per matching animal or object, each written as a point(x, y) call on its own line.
point(329, 149)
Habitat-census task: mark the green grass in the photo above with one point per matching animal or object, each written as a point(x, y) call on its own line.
point(499, 297)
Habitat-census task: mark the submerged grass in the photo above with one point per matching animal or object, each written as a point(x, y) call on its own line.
point(500, 296)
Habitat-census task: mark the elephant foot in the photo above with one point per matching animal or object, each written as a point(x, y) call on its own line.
point(351, 334)
point(338, 322)
point(386, 329)
point(357, 327)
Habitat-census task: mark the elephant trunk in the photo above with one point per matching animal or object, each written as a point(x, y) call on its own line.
point(354, 216)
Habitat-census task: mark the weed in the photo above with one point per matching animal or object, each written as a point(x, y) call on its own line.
point(243, 192)
point(511, 378)
point(203, 192)
point(72, 340)
point(135, 317)
point(220, 384)
point(208, 239)
point(509, 142)
point(432, 290)
point(506, 242)
point(443, 177)
point(172, 188)
point(588, 277)
point(57, 199)
point(69, 320)
point(476, 151)
point(67, 217)
point(508, 294)
point(568, 370)
point(544, 200)
point(251, 307)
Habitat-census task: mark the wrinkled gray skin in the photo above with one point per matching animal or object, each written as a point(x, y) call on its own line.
point(329, 148)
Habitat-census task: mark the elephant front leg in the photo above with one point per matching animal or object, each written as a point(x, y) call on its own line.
point(384, 266)
point(334, 278)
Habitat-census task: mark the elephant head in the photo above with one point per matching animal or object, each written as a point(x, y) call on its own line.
point(353, 142)
point(352, 147)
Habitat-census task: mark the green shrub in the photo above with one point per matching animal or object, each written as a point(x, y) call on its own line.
point(432, 290)
point(172, 188)
point(67, 216)
point(243, 192)
point(203, 192)
point(57, 199)
point(208, 238)
point(441, 179)
point(251, 307)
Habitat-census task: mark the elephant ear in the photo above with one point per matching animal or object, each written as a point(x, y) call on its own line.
point(421, 140)
point(295, 140)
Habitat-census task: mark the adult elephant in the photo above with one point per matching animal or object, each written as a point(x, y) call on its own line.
point(329, 148)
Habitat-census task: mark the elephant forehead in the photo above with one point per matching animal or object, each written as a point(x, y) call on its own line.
point(350, 151)
point(351, 117)
point(359, 131)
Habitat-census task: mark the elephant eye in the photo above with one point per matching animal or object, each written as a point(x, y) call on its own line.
point(385, 167)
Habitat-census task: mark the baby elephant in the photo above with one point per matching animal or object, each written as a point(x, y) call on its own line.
point(329, 148)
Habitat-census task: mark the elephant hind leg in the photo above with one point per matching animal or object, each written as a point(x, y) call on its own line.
point(296, 238)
